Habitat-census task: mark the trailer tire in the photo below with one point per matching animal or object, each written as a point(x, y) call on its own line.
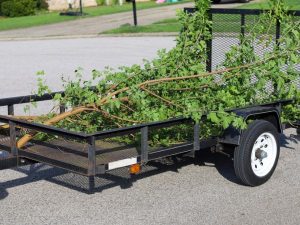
point(256, 157)
point(216, 1)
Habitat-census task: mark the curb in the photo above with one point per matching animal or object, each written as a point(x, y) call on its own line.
point(156, 34)
point(163, 34)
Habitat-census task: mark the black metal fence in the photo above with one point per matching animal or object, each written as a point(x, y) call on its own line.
point(228, 26)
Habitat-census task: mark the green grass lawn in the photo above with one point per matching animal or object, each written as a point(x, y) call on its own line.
point(293, 4)
point(168, 25)
point(44, 18)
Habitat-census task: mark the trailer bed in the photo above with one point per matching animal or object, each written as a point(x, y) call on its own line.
point(72, 155)
point(99, 152)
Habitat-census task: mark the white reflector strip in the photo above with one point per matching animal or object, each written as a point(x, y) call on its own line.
point(122, 163)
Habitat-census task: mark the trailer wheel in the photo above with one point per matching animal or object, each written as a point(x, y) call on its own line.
point(256, 157)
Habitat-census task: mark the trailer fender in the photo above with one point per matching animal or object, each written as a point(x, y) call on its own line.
point(232, 135)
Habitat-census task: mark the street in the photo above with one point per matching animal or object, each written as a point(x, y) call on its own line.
point(21, 60)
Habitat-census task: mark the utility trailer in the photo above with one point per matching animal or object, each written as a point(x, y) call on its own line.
point(255, 156)
point(255, 150)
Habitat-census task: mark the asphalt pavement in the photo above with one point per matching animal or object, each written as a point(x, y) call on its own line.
point(200, 191)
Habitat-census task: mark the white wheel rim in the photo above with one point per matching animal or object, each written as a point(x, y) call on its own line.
point(263, 155)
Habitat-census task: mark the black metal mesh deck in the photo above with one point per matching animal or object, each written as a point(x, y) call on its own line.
point(59, 152)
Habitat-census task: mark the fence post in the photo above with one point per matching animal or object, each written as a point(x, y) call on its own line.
point(277, 31)
point(209, 46)
point(80, 6)
point(134, 12)
point(243, 24)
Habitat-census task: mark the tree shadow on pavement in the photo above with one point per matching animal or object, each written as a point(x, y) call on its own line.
point(286, 139)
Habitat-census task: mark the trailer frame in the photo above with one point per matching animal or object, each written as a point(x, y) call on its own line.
point(19, 157)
